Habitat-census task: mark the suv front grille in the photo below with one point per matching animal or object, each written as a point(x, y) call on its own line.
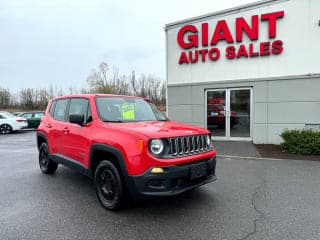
point(188, 145)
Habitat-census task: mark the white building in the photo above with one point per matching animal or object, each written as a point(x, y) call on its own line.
point(249, 72)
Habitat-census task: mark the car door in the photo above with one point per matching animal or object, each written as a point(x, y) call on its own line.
point(36, 118)
point(27, 116)
point(31, 121)
point(57, 126)
point(76, 137)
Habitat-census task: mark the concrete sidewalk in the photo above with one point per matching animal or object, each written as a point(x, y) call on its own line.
point(236, 148)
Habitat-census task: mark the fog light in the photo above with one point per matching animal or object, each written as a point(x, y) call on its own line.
point(157, 170)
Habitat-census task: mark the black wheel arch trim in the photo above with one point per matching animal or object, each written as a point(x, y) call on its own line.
point(108, 149)
point(40, 134)
point(129, 183)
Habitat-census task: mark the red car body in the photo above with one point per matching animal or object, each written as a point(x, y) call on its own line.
point(82, 146)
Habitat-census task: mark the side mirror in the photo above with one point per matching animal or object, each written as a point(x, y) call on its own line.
point(76, 118)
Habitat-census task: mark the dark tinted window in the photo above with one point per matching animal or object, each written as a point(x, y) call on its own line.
point(60, 109)
point(2, 117)
point(79, 106)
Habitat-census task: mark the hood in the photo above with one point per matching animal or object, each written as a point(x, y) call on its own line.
point(159, 129)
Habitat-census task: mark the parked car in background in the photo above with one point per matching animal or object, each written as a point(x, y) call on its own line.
point(216, 116)
point(33, 118)
point(17, 113)
point(10, 123)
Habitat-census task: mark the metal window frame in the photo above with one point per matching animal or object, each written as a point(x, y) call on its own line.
point(227, 90)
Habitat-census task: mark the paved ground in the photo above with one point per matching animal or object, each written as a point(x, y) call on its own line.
point(251, 200)
point(236, 148)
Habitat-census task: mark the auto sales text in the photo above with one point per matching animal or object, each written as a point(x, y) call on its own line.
point(190, 37)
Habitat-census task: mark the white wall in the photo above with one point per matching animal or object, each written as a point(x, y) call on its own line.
point(299, 29)
point(287, 103)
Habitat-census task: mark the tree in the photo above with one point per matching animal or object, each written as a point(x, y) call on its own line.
point(98, 80)
point(102, 80)
point(27, 98)
point(5, 98)
point(43, 98)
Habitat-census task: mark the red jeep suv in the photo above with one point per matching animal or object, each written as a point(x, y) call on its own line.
point(126, 145)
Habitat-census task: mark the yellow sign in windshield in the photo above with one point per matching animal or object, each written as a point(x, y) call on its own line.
point(127, 111)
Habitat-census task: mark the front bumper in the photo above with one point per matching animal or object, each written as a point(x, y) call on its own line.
point(175, 179)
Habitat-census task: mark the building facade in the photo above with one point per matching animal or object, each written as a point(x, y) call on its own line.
point(247, 73)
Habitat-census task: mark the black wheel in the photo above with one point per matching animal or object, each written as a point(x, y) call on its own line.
point(5, 129)
point(108, 185)
point(47, 166)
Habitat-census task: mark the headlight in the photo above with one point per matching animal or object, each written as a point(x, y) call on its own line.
point(156, 146)
point(209, 142)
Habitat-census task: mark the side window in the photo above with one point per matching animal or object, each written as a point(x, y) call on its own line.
point(51, 111)
point(89, 115)
point(2, 117)
point(38, 115)
point(60, 109)
point(79, 106)
point(27, 115)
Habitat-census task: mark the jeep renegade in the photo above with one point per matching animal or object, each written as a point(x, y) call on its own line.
point(126, 145)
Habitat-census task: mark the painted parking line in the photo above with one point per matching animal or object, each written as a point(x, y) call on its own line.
point(260, 158)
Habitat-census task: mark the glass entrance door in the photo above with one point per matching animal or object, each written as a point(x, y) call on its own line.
point(229, 113)
point(216, 111)
point(240, 111)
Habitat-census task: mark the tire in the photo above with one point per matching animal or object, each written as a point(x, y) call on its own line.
point(108, 186)
point(47, 166)
point(5, 129)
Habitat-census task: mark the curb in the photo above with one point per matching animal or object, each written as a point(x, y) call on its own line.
point(261, 158)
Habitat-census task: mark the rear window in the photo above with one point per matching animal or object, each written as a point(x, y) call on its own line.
point(38, 115)
point(60, 109)
point(7, 115)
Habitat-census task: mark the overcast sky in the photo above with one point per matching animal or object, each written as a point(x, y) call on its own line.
point(59, 42)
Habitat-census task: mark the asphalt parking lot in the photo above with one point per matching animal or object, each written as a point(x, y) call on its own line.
point(252, 199)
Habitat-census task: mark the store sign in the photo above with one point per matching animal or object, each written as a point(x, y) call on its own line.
point(201, 44)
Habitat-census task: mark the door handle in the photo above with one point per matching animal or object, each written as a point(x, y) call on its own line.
point(49, 125)
point(66, 130)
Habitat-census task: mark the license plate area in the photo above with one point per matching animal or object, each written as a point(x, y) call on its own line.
point(198, 170)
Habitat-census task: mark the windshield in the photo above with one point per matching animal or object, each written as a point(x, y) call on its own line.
point(122, 109)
